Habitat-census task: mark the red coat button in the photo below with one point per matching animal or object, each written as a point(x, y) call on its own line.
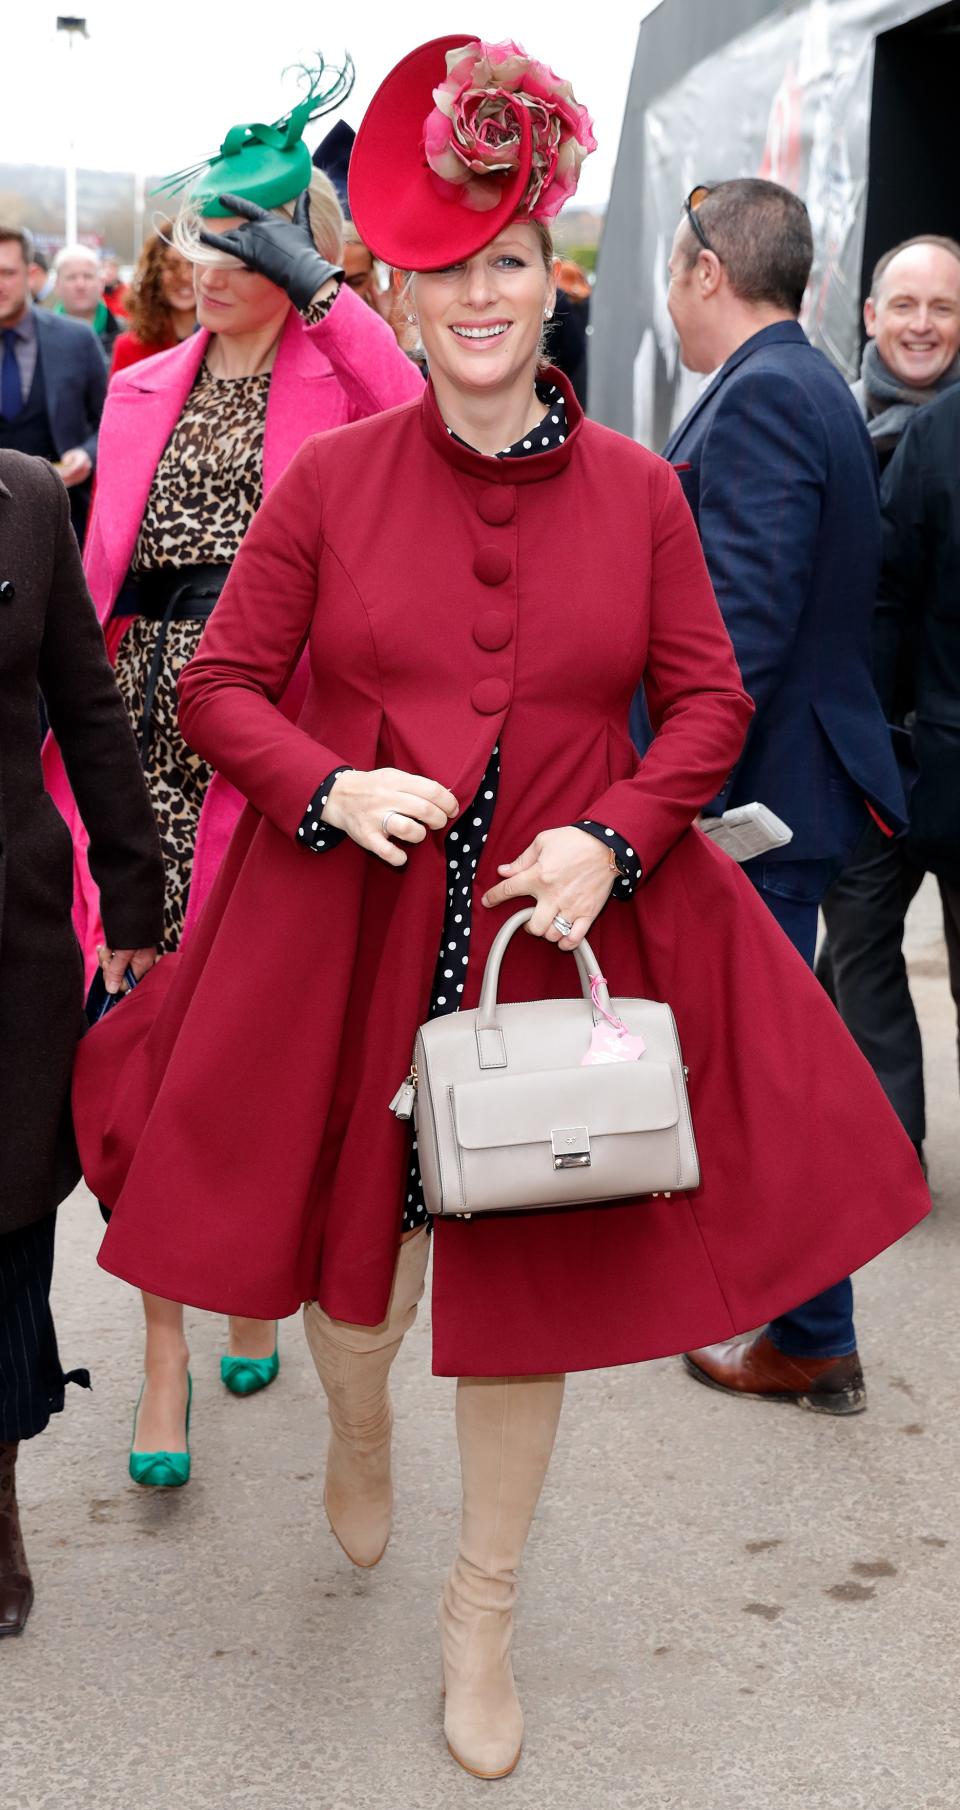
point(490, 696)
point(492, 564)
point(492, 630)
point(497, 504)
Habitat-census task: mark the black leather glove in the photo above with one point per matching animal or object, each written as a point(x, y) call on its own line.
point(282, 250)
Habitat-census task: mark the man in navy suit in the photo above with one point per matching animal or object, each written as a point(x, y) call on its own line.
point(780, 474)
point(53, 379)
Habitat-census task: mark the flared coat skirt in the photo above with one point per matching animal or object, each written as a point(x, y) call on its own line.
point(233, 1192)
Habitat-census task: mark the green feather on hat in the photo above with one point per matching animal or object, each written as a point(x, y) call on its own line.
point(268, 164)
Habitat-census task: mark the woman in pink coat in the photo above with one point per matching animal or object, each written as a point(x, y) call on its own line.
point(190, 443)
point(463, 748)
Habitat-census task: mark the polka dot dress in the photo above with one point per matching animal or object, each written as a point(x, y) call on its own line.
point(463, 846)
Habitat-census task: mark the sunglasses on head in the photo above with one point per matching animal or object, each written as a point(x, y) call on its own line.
point(695, 199)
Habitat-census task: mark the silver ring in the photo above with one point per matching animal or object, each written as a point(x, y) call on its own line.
point(563, 925)
point(385, 819)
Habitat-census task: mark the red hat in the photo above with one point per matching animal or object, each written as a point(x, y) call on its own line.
point(460, 138)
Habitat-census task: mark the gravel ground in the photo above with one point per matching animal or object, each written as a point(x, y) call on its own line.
point(726, 1605)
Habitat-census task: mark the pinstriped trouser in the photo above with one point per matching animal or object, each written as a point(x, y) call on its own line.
point(32, 1380)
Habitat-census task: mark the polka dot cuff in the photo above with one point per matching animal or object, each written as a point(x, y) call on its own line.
point(629, 877)
point(316, 835)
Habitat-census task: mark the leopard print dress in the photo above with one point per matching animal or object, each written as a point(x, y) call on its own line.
point(205, 493)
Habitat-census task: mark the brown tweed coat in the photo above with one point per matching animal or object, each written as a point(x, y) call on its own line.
point(50, 642)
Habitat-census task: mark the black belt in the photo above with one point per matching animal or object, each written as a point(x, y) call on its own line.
point(169, 594)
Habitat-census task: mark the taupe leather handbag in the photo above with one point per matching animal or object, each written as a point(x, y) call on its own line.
point(510, 1120)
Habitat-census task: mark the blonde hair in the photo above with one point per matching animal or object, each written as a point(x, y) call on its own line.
point(326, 221)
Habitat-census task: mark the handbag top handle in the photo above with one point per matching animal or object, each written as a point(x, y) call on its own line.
point(587, 964)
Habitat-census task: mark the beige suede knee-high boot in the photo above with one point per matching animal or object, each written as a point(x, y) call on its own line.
point(353, 1363)
point(506, 1427)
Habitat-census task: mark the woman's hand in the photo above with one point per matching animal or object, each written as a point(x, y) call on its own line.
point(570, 876)
point(281, 250)
point(115, 962)
point(359, 803)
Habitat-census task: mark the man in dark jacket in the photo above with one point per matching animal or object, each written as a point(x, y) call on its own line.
point(781, 477)
point(53, 379)
point(78, 294)
point(912, 321)
point(51, 641)
point(918, 673)
point(912, 358)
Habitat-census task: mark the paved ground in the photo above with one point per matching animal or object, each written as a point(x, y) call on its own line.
point(726, 1606)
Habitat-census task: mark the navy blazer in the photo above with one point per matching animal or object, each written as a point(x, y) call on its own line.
point(780, 473)
point(74, 381)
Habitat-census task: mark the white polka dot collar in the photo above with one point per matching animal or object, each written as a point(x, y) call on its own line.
point(550, 432)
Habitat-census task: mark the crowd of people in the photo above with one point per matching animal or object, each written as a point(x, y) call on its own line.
point(157, 308)
point(388, 638)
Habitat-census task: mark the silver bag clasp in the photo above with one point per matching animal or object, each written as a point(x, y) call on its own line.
point(571, 1147)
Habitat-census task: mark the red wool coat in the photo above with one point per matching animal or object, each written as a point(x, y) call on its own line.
point(234, 1112)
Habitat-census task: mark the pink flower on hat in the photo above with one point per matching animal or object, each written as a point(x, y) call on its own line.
point(473, 134)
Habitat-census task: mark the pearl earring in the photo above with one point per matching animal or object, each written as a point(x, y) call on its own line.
point(548, 314)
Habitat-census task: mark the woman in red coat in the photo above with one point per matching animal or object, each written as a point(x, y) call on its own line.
point(464, 745)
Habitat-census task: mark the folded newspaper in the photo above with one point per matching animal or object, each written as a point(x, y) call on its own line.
point(747, 831)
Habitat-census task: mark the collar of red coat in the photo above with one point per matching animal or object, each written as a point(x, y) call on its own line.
point(504, 471)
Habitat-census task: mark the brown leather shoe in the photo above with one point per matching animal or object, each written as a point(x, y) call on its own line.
point(16, 1585)
point(755, 1367)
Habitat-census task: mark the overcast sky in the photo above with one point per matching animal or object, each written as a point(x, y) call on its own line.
point(157, 86)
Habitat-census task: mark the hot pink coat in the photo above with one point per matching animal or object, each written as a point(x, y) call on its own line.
point(342, 369)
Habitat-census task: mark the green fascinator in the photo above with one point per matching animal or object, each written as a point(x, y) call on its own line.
point(268, 164)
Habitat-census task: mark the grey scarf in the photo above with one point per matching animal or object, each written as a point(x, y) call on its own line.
point(888, 402)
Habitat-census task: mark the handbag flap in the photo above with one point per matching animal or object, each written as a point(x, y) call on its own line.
point(610, 1098)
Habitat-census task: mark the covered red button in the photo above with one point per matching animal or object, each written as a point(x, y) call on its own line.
point(490, 696)
point(497, 504)
point(492, 630)
point(492, 564)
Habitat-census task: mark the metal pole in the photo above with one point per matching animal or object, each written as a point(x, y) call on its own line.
point(70, 196)
point(73, 27)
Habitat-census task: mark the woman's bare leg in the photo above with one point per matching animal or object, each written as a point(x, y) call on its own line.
point(162, 1418)
point(251, 1338)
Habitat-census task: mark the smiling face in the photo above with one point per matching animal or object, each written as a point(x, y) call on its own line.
point(480, 321)
point(915, 315)
point(176, 283)
point(232, 299)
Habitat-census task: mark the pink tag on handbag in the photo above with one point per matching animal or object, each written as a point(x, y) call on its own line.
point(611, 1041)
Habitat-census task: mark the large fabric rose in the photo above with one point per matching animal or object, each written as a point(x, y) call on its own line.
point(473, 136)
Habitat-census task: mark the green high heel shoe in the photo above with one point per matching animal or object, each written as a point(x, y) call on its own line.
point(244, 1376)
point(161, 1470)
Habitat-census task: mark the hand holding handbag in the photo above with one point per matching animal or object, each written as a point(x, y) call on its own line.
point(100, 1002)
point(509, 1118)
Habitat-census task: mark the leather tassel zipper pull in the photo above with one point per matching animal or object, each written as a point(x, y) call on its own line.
point(403, 1100)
